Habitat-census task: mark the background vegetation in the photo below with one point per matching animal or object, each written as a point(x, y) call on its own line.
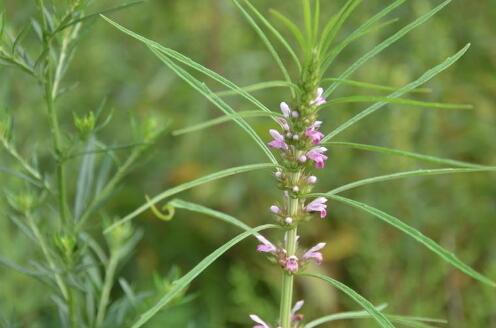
point(379, 262)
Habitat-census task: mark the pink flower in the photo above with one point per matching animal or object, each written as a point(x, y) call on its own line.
point(265, 246)
point(291, 264)
point(295, 316)
point(314, 254)
point(275, 209)
point(316, 154)
point(286, 111)
point(283, 123)
point(319, 99)
point(260, 322)
point(313, 132)
point(278, 141)
point(318, 205)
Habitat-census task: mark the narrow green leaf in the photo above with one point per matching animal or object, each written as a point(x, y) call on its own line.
point(181, 204)
point(417, 322)
point(345, 13)
point(85, 179)
point(307, 19)
point(372, 86)
point(402, 175)
point(364, 29)
point(276, 33)
point(94, 15)
point(257, 87)
point(397, 152)
point(374, 312)
point(184, 281)
point(223, 119)
point(188, 185)
point(207, 93)
point(397, 101)
point(291, 27)
point(386, 43)
point(267, 43)
point(407, 88)
point(418, 236)
point(316, 19)
point(191, 63)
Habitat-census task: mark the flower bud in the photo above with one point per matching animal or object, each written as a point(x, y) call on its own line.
point(312, 179)
point(295, 114)
point(302, 158)
point(288, 220)
point(296, 189)
point(85, 124)
point(275, 209)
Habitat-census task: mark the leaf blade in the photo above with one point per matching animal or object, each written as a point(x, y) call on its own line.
point(428, 75)
point(418, 236)
point(188, 185)
point(184, 281)
point(377, 315)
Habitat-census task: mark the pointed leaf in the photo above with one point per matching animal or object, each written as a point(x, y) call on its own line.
point(407, 88)
point(223, 119)
point(188, 185)
point(386, 43)
point(396, 101)
point(371, 86)
point(397, 152)
point(376, 314)
point(418, 236)
point(184, 281)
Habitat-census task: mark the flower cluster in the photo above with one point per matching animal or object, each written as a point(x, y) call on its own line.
point(291, 263)
point(298, 142)
point(296, 317)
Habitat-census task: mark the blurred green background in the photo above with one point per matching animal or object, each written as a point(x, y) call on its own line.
point(382, 264)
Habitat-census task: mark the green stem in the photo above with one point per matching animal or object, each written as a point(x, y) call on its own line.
point(44, 249)
point(107, 286)
point(288, 278)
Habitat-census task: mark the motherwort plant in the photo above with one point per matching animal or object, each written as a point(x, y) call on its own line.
point(297, 150)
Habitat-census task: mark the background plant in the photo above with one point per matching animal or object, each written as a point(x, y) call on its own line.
point(59, 186)
point(345, 240)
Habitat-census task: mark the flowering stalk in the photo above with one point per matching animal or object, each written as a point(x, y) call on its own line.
point(298, 144)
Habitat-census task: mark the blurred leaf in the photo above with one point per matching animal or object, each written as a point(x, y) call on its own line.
point(374, 312)
point(372, 86)
point(223, 119)
point(189, 185)
point(385, 44)
point(418, 236)
point(276, 33)
point(398, 152)
point(397, 101)
point(342, 316)
point(191, 275)
point(291, 27)
point(407, 88)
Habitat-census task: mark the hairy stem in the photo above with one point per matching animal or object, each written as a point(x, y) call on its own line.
point(288, 278)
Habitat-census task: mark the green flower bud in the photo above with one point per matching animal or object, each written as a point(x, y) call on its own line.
point(85, 124)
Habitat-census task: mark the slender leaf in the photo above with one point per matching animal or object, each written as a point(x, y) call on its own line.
point(406, 174)
point(376, 314)
point(407, 88)
point(207, 93)
point(386, 43)
point(184, 281)
point(94, 15)
point(267, 43)
point(418, 322)
point(181, 204)
point(397, 101)
point(371, 86)
point(418, 236)
point(397, 152)
point(188, 185)
point(257, 87)
point(291, 27)
point(189, 62)
point(342, 316)
point(307, 19)
point(364, 29)
point(223, 119)
point(85, 179)
point(275, 32)
point(344, 14)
